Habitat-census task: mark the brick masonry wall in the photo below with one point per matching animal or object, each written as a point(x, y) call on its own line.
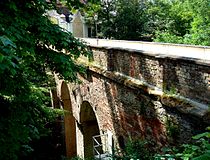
point(134, 112)
point(186, 77)
point(128, 112)
point(115, 88)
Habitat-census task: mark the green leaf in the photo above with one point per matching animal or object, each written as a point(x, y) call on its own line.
point(6, 41)
point(202, 157)
point(1, 57)
point(205, 134)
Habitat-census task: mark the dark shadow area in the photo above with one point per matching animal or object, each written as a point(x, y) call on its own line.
point(121, 142)
point(49, 147)
point(87, 76)
point(90, 128)
point(54, 98)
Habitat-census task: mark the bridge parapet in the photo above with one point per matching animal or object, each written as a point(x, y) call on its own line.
point(181, 76)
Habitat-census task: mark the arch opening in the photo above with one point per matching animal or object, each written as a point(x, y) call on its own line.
point(69, 122)
point(90, 129)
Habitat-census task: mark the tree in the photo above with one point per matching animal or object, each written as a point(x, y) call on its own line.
point(175, 20)
point(158, 12)
point(185, 22)
point(200, 26)
point(120, 19)
point(106, 18)
point(101, 14)
point(130, 19)
point(31, 51)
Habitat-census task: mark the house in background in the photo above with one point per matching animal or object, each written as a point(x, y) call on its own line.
point(71, 23)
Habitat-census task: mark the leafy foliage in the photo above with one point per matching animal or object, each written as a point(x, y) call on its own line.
point(173, 21)
point(199, 150)
point(135, 149)
point(32, 49)
point(119, 19)
point(188, 23)
point(101, 14)
point(130, 19)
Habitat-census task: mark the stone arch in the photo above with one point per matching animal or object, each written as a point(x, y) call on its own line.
point(90, 128)
point(69, 122)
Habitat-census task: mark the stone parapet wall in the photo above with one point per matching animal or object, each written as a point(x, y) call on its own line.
point(182, 76)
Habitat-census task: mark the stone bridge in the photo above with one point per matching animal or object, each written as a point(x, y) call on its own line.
point(138, 90)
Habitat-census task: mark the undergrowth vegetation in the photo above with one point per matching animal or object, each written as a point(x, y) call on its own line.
point(199, 149)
